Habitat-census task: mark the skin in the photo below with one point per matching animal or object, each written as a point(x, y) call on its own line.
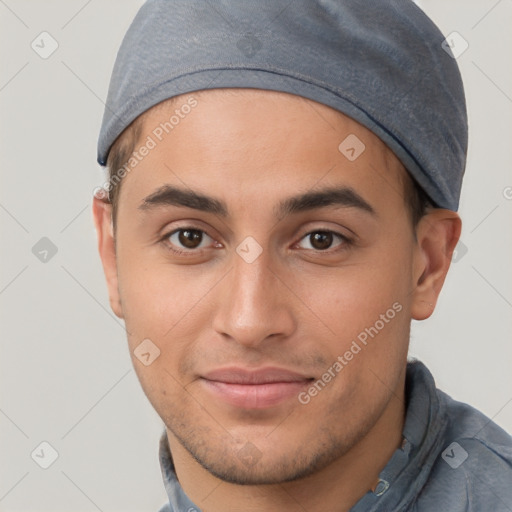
point(298, 306)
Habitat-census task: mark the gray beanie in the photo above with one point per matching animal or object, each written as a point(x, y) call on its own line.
point(381, 62)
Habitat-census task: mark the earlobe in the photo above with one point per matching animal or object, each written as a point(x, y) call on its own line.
point(102, 213)
point(437, 236)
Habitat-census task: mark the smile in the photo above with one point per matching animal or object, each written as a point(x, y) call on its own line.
point(259, 389)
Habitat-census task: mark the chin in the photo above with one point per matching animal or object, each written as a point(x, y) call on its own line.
point(250, 466)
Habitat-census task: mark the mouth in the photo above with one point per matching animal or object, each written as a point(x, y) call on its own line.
point(254, 389)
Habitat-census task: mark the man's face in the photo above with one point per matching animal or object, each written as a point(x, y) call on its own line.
point(303, 258)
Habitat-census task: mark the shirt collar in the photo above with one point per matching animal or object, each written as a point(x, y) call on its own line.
point(178, 500)
point(407, 471)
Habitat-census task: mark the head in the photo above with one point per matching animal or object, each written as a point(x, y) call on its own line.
point(245, 238)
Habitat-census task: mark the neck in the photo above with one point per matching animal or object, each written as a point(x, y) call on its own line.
point(339, 486)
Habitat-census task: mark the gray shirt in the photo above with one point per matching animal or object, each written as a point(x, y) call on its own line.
point(453, 459)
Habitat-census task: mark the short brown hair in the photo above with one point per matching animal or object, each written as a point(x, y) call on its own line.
point(118, 157)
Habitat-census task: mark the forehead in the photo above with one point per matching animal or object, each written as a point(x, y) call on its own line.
point(231, 137)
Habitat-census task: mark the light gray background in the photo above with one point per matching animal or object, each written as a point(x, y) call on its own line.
point(65, 373)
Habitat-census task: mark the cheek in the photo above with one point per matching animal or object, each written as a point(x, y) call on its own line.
point(170, 305)
point(356, 295)
point(154, 297)
point(366, 308)
point(366, 302)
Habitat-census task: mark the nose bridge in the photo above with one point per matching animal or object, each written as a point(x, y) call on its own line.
point(253, 306)
point(252, 285)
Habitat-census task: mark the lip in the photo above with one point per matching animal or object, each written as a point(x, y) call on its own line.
point(254, 389)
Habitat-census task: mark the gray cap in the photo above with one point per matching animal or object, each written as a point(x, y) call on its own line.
point(380, 62)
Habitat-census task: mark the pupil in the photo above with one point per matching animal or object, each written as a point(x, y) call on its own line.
point(321, 240)
point(190, 238)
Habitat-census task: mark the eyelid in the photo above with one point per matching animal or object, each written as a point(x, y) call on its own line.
point(346, 240)
point(176, 249)
point(324, 229)
point(203, 235)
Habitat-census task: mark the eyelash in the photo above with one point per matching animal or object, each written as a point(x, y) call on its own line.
point(346, 242)
point(182, 252)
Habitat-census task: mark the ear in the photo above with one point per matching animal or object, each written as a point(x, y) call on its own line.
point(102, 213)
point(437, 235)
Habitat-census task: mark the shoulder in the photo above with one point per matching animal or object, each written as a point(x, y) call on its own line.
point(473, 470)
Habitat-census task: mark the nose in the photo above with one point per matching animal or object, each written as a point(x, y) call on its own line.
point(254, 304)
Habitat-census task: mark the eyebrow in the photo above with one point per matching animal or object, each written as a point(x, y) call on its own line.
point(337, 196)
point(347, 197)
point(173, 196)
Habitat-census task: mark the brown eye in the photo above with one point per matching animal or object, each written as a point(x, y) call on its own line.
point(188, 238)
point(322, 240)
